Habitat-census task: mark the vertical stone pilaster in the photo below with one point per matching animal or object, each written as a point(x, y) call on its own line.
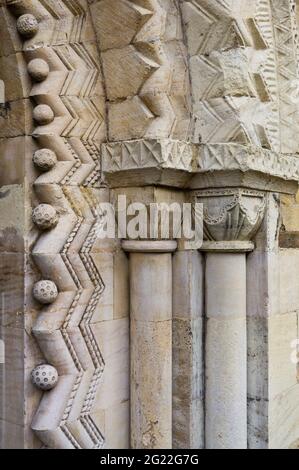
point(263, 286)
point(187, 359)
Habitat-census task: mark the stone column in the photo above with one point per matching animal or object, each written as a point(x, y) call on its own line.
point(226, 351)
point(231, 217)
point(151, 343)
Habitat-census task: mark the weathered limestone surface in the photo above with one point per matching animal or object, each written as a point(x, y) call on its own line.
point(53, 101)
point(154, 345)
point(187, 340)
point(151, 340)
point(226, 342)
point(143, 42)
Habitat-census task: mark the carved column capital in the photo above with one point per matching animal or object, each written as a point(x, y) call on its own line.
point(231, 218)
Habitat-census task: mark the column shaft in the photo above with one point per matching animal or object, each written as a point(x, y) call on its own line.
point(151, 350)
point(226, 351)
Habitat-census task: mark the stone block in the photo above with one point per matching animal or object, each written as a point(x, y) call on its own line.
point(113, 338)
point(283, 331)
point(289, 280)
point(283, 419)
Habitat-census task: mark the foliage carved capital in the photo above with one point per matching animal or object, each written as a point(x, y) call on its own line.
point(231, 217)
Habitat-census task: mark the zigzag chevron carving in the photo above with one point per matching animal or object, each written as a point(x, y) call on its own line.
point(145, 68)
point(286, 49)
point(72, 88)
point(232, 71)
point(63, 330)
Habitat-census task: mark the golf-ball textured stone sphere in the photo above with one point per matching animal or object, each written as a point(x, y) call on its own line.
point(45, 292)
point(44, 377)
point(45, 216)
point(27, 25)
point(38, 69)
point(43, 114)
point(44, 159)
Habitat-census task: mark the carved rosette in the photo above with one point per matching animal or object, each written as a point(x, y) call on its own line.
point(231, 217)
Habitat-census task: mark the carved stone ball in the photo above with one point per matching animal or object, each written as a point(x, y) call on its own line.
point(44, 159)
point(45, 216)
point(38, 69)
point(45, 292)
point(43, 114)
point(27, 25)
point(44, 377)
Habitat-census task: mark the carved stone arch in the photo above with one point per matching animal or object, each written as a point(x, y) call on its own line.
point(15, 112)
point(53, 128)
point(284, 18)
point(145, 69)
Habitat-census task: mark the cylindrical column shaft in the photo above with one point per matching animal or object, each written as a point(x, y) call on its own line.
point(226, 351)
point(151, 350)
